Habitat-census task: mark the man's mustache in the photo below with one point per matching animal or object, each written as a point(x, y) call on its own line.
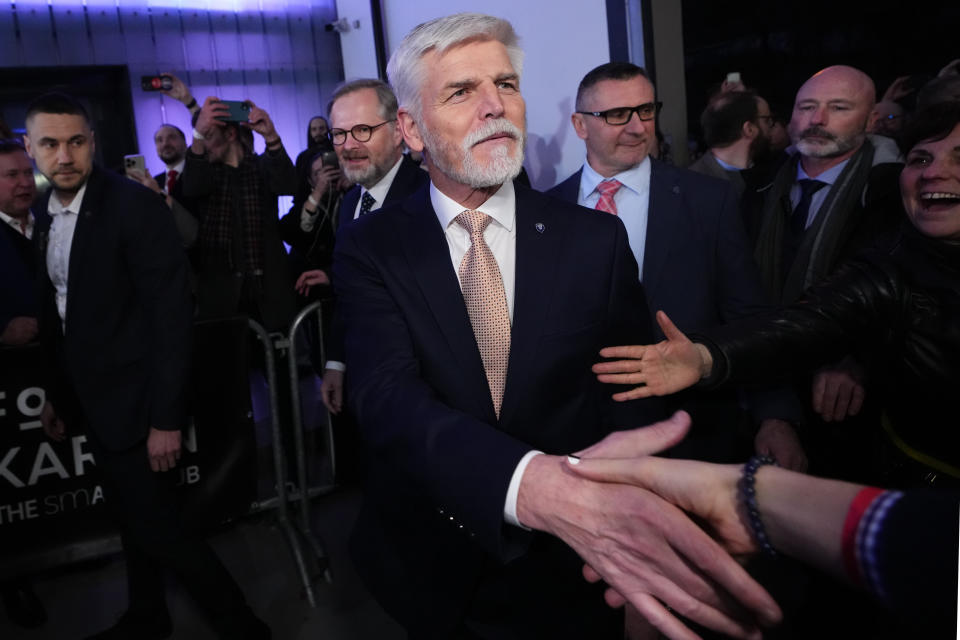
point(817, 132)
point(491, 128)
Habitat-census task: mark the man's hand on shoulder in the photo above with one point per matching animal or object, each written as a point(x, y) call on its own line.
point(163, 448)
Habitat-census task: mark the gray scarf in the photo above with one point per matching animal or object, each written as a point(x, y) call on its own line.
point(835, 221)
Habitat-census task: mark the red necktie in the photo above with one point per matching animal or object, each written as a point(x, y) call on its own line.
point(171, 180)
point(608, 188)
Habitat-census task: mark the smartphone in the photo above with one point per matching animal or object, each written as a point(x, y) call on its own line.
point(330, 159)
point(733, 77)
point(239, 111)
point(134, 162)
point(156, 83)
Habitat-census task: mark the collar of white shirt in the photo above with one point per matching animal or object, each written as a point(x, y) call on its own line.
point(379, 190)
point(829, 176)
point(177, 167)
point(15, 223)
point(637, 179)
point(501, 206)
point(55, 207)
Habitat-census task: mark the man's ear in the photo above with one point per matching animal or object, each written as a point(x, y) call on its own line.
point(409, 130)
point(28, 146)
point(579, 125)
point(749, 130)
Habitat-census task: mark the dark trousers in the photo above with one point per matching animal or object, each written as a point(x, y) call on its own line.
point(147, 510)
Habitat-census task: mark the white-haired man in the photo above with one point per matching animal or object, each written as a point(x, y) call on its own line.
point(474, 310)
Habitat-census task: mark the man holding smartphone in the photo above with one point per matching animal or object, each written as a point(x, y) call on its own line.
point(240, 261)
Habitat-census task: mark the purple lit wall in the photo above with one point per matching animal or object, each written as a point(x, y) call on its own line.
point(273, 52)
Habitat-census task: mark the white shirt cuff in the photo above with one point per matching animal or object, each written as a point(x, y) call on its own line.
point(510, 507)
point(336, 366)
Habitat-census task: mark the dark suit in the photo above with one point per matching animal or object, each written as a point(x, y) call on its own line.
point(431, 542)
point(409, 178)
point(18, 264)
point(123, 365)
point(187, 225)
point(699, 269)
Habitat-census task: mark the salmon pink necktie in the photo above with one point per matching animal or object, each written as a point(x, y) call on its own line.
point(486, 303)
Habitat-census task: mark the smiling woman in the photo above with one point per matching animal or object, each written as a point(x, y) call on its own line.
point(930, 184)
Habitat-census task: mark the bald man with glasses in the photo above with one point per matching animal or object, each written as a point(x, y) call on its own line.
point(686, 232)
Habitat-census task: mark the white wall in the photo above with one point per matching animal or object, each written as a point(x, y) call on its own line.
point(274, 52)
point(562, 41)
point(356, 43)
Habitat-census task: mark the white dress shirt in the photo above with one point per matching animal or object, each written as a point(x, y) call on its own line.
point(15, 224)
point(501, 236)
point(63, 224)
point(178, 168)
point(632, 199)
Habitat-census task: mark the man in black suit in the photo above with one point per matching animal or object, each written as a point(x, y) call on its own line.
point(473, 312)
point(18, 261)
point(369, 145)
point(686, 231)
point(117, 318)
point(18, 315)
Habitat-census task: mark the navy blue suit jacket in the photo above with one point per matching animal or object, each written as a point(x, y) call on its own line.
point(698, 266)
point(431, 532)
point(125, 354)
point(19, 262)
point(409, 178)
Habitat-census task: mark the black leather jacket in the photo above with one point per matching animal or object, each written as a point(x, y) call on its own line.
point(899, 312)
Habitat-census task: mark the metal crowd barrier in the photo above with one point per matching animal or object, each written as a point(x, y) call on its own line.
point(304, 543)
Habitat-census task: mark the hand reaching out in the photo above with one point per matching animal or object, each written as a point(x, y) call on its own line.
point(661, 369)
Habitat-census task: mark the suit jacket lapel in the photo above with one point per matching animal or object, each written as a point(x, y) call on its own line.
point(82, 238)
point(662, 219)
point(427, 252)
point(538, 243)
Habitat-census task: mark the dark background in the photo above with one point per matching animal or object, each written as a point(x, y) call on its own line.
point(776, 46)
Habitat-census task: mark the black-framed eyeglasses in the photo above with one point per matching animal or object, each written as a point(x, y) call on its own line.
point(621, 115)
point(360, 132)
point(768, 118)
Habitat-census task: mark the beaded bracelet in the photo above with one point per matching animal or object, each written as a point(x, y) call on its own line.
point(747, 494)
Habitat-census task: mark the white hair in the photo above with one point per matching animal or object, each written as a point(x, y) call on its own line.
point(405, 68)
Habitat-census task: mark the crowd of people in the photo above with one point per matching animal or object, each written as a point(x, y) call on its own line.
point(815, 277)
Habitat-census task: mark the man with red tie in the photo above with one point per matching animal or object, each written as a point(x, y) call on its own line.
point(172, 149)
point(692, 223)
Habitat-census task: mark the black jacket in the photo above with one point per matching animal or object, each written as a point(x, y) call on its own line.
point(899, 310)
point(125, 354)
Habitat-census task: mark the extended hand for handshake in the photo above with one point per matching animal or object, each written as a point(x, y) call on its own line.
point(618, 509)
point(622, 510)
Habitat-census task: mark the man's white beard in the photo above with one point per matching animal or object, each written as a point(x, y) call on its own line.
point(833, 145)
point(502, 166)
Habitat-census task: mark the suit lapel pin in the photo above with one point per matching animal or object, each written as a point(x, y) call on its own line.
point(540, 227)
